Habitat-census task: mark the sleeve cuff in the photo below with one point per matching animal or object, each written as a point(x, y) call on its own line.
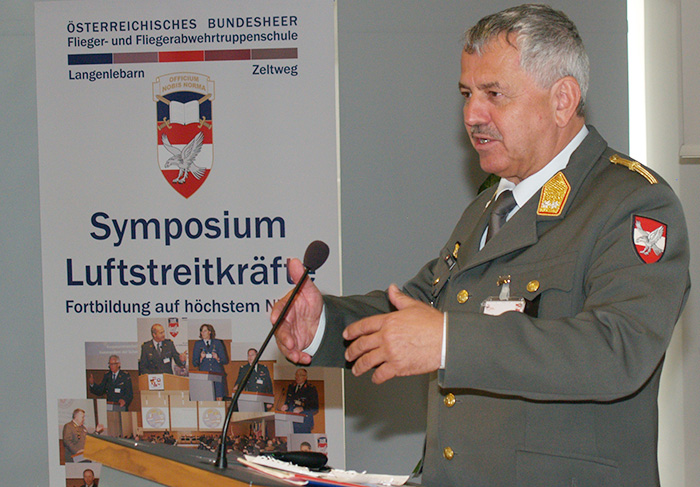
point(316, 342)
point(444, 341)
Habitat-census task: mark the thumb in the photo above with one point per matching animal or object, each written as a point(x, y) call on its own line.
point(399, 299)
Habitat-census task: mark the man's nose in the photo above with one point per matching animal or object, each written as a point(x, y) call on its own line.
point(475, 112)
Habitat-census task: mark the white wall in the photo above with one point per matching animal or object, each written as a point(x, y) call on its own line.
point(672, 81)
point(663, 139)
point(690, 196)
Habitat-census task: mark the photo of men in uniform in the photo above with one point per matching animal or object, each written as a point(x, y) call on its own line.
point(159, 354)
point(74, 435)
point(116, 385)
point(260, 379)
point(302, 398)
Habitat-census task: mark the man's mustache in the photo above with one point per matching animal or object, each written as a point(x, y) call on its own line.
point(484, 131)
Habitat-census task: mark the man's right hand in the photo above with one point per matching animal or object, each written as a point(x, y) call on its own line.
point(298, 329)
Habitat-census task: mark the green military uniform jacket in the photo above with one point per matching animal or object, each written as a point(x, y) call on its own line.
point(565, 393)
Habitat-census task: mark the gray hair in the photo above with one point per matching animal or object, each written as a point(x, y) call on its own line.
point(549, 43)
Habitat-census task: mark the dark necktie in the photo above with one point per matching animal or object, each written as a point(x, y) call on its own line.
point(501, 207)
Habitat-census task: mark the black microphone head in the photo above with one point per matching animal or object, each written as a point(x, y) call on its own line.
point(315, 255)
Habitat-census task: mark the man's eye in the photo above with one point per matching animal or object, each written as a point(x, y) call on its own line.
point(466, 94)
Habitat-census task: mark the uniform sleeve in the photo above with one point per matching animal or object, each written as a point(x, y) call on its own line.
point(70, 440)
point(176, 355)
point(612, 341)
point(128, 390)
point(196, 352)
point(99, 389)
point(221, 351)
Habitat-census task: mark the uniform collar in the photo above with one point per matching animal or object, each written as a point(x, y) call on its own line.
point(529, 186)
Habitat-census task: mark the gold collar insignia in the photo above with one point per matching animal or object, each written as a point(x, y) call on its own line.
point(554, 195)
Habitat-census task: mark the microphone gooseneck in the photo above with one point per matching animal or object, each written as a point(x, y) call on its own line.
point(314, 257)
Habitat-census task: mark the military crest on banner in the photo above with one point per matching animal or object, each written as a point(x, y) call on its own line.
point(173, 326)
point(184, 129)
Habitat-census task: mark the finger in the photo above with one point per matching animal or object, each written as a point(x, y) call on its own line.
point(368, 361)
point(277, 307)
point(361, 346)
point(399, 299)
point(383, 373)
point(296, 269)
point(285, 338)
point(364, 326)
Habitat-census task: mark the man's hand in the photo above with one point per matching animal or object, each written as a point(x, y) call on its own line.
point(121, 403)
point(405, 342)
point(298, 329)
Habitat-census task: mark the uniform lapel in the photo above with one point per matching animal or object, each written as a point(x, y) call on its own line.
point(522, 229)
point(472, 227)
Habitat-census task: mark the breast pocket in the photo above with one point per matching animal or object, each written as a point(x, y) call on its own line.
point(547, 286)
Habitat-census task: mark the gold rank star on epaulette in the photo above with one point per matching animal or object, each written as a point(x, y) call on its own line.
point(634, 166)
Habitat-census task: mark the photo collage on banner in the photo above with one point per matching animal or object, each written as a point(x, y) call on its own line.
point(187, 152)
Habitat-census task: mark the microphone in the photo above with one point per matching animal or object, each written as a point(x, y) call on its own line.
point(314, 257)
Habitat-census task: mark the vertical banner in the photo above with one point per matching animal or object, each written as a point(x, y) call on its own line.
point(187, 150)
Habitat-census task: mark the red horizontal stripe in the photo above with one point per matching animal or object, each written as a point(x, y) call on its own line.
point(182, 134)
point(180, 56)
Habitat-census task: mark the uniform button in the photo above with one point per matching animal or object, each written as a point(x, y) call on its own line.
point(533, 285)
point(450, 400)
point(462, 296)
point(448, 453)
point(437, 279)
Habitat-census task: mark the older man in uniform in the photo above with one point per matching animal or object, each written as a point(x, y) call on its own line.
point(74, 435)
point(548, 312)
point(116, 384)
point(301, 398)
point(159, 353)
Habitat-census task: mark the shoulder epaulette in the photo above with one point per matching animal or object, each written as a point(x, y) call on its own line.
point(634, 166)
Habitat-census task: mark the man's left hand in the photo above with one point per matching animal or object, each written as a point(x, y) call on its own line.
point(405, 342)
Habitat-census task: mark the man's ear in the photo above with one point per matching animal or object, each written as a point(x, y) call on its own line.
point(566, 95)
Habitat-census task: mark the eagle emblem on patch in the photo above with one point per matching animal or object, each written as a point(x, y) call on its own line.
point(649, 237)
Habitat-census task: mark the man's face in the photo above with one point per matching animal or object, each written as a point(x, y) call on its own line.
point(114, 365)
point(300, 376)
point(79, 418)
point(508, 116)
point(158, 333)
point(251, 356)
point(88, 477)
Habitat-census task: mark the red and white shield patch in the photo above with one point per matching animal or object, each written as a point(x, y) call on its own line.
point(649, 237)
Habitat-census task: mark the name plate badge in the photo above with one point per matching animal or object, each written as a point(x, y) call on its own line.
point(494, 306)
